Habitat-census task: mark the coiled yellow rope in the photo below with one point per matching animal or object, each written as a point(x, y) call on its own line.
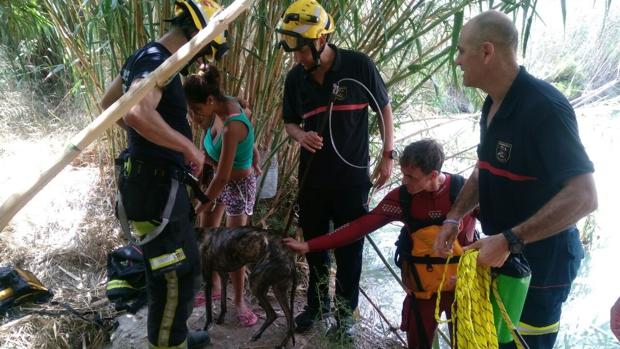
point(472, 306)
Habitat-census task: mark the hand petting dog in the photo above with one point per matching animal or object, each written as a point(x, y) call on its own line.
point(296, 246)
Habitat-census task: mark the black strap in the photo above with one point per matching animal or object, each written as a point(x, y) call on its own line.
point(456, 184)
point(192, 181)
point(405, 200)
point(414, 272)
point(405, 244)
point(434, 260)
point(91, 316)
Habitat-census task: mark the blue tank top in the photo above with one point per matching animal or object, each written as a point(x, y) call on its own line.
point(245, 149)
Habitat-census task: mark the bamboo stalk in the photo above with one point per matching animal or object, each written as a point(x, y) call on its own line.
point(108, 117)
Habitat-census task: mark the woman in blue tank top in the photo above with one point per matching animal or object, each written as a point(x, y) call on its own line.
point(229, 147)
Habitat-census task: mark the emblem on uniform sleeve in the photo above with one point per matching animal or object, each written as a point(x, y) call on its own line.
point(502, 152)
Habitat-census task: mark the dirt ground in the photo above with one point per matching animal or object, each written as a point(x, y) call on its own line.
point(131, 331)
point(63, 237)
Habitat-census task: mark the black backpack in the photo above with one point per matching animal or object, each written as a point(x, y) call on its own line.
point(126, 286)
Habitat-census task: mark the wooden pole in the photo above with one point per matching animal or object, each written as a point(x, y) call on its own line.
point(159, 77)
point(400, 282)
point(392, 328)
point(385, 262)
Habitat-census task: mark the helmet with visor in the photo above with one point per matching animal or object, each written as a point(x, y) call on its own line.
point(303, 22)
point(194, 15)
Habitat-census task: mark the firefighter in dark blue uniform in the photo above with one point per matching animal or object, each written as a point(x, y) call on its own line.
point(159, 154)
point(533, 180)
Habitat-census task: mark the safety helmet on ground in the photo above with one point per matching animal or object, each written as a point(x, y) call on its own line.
point(302, 22)
point(200, 11)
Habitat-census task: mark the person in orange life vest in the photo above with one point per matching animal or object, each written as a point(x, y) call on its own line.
point(229, 144)
point(420, 164)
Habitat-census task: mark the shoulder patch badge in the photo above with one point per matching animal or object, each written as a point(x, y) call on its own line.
point(342, 93)
point(502, 151)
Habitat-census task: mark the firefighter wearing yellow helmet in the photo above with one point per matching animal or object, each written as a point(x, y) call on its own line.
point(304, 22)
point(325, 109)
point(153, 202)
point(194, 15)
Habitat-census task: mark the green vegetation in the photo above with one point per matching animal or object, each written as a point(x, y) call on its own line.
point(72, 49)
point(68, 51)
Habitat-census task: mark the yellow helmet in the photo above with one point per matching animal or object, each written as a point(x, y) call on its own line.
point(302, 22)
point(200, 11)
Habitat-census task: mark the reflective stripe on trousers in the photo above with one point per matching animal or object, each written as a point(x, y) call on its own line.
point(170, 308)
point(529, 330)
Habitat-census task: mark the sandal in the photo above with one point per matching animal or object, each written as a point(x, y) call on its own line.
point(199, 300)
point(247, 318)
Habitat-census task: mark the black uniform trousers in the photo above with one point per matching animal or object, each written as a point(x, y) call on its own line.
point(319, 207)
point(173, 265)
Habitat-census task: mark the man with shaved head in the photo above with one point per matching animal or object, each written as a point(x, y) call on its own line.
point(533, 180)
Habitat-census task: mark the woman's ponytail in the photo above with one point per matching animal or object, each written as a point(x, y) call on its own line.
point(198, 87)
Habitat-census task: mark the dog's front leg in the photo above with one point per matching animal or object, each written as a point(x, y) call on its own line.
point(223, 285)
point(206, 275)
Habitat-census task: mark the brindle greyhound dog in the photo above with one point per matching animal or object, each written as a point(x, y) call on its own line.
point(271, 264)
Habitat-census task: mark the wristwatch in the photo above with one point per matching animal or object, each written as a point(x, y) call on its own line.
point(515, 244)
point(390, 154)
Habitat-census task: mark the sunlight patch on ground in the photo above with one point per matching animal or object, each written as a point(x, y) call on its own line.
point(51, 218)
